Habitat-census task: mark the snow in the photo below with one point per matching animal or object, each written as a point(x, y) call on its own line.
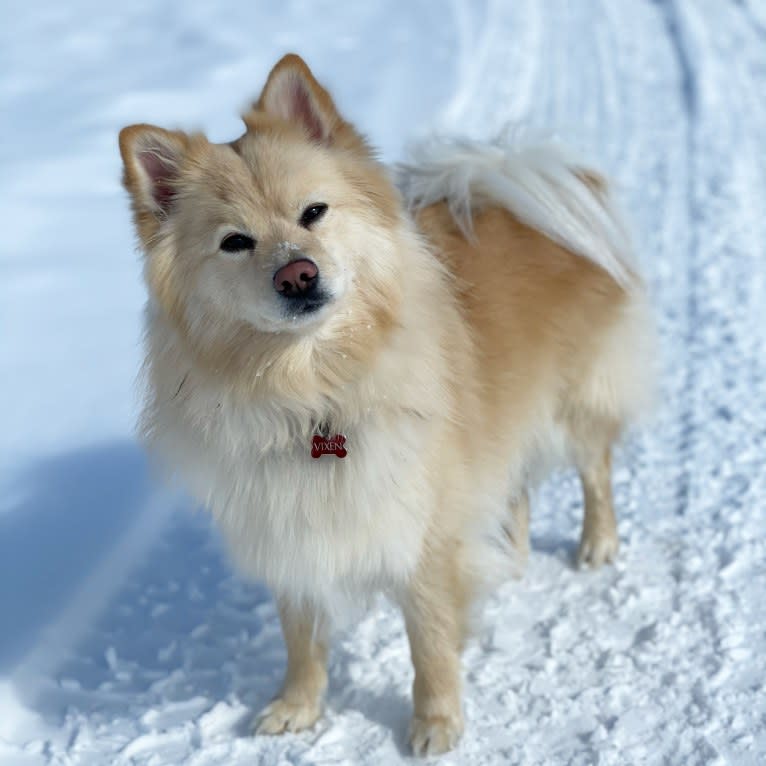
point(125, 635)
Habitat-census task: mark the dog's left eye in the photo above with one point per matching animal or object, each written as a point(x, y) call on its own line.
point(312, 214)
point(234, 243)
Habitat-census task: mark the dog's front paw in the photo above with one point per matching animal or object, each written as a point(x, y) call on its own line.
point(597, 547)
point(286, 715)
point(435, 735)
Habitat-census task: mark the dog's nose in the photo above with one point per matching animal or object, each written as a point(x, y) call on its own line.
point(297, 278)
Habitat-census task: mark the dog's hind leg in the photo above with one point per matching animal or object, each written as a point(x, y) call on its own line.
point(298, 705)
point(599, 541)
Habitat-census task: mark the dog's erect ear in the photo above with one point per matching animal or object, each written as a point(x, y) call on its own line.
point(152, 158)
point(292, 94)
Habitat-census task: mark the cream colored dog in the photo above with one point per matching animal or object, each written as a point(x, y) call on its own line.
point(462, 332)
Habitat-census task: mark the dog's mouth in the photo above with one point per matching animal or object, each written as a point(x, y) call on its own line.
point(308, 304)
point(312, 305)
point(304, 308)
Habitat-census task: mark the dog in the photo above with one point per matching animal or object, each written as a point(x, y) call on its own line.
point(362, 373)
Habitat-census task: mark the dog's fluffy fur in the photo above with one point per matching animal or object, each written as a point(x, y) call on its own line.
point(483, 323)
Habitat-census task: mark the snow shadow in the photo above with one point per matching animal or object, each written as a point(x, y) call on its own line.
point(181, 632)
point(65, 513)
point(388, 704)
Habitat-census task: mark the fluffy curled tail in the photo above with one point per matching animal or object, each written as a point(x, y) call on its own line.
point(541, 183)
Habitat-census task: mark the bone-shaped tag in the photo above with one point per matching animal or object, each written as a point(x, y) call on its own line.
point(328, 445)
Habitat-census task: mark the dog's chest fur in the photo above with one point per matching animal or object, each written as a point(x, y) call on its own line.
point(308, 527)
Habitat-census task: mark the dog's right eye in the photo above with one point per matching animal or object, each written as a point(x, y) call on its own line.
point(235, 243)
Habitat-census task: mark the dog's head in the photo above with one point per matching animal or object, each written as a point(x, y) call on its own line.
point(290, 232)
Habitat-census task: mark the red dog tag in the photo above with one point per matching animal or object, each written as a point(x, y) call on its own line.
point(328, 445)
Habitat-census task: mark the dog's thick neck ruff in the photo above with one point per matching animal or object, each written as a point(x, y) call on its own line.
point(313, 473)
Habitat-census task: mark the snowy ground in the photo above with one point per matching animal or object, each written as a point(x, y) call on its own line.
point(125, 637)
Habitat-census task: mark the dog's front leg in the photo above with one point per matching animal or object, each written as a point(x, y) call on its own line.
point(434, 612)
point(298, 705)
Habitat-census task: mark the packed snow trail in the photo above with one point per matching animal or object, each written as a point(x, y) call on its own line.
point(660, 659)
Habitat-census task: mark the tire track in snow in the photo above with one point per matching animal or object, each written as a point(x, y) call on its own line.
point(473, 45)
point(496, 70)
point(758, 24)
point(688, 96)
point(728, 483)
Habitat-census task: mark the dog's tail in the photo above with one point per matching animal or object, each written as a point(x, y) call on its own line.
point(541, 183)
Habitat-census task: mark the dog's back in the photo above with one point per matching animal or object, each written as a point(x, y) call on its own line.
point(542, 317)
point(562, 334)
